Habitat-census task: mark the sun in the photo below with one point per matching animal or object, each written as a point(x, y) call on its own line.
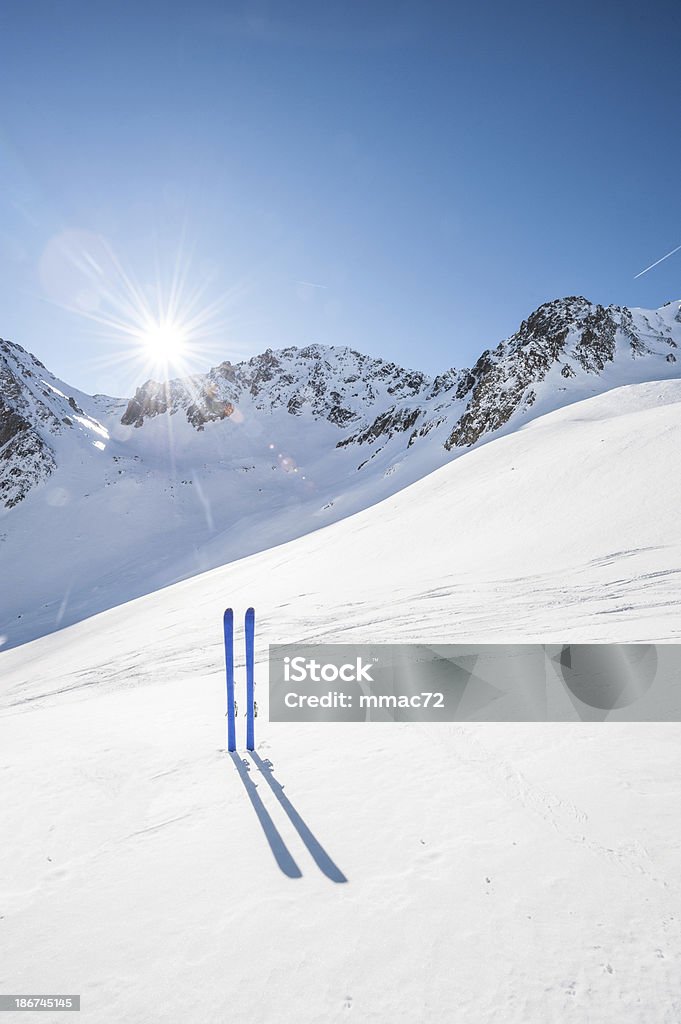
point(164, 342)
point(163, 327)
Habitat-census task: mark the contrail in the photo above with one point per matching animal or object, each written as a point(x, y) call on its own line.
point(311, 284)
point(661, 260)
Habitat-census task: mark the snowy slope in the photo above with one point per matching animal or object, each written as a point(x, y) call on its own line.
point(494, 872)
point(131, 510)
point(106, 500)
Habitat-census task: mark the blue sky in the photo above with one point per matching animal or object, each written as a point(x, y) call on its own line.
point(430, 172)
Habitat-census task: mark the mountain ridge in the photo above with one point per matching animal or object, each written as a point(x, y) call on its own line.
point(341, 385)
point(543, 339)
point(105, 499)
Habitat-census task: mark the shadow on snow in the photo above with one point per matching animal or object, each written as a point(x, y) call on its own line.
point(277, 845)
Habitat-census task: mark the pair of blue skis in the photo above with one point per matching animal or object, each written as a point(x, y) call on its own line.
point(249, 631)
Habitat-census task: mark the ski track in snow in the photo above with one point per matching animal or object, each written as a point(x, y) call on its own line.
point(571, 823)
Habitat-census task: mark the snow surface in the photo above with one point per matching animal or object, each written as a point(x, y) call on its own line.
point(444, 873)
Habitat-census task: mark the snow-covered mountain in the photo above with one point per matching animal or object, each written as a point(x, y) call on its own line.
point(105, 499)
point(570, 338)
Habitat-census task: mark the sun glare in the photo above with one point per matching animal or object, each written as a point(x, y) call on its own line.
point(162, 328)
point(164, 342)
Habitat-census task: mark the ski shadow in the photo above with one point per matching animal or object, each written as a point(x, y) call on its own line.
point(321, 858)
point(277, 845)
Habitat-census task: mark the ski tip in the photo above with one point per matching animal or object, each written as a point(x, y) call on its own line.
point(228, 615)
point(250, 613)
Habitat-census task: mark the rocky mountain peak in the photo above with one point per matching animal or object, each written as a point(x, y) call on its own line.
point(567, 349)
point(570, 336)
point(36, 410)
point(334, 384)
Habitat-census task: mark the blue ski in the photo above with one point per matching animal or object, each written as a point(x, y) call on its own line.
point(228, 622)
point(250, 686)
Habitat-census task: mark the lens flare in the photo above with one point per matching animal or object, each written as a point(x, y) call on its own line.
point(163, 328)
